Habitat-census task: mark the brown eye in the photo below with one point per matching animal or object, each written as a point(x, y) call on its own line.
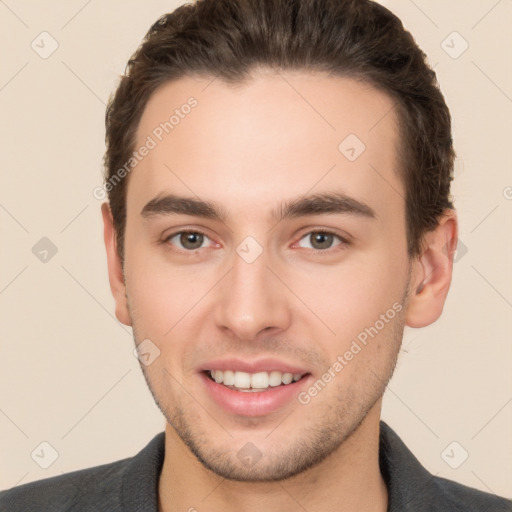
point(320, 240)
point(189, 240)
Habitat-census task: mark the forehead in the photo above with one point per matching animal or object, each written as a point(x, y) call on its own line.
point(275, 136)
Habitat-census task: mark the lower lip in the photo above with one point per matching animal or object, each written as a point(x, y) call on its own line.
point(253, 403)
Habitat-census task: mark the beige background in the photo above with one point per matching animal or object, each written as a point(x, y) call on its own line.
point(68, 375)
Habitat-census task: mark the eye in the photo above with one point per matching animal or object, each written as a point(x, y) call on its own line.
point(188, 240)
point(320, 240)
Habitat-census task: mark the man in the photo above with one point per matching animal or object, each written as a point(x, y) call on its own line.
point(271, 250)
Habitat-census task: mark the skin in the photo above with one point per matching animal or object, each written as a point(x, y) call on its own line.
point(249, 149)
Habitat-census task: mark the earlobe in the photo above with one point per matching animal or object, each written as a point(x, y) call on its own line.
point(433, 273)
point(115, 268)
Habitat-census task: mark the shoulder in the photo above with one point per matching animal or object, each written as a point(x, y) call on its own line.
point(462, 498)
point(60, 493)
point(412, 487)
point(128, 483)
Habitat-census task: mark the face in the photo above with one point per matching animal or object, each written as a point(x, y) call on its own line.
point(266, 242)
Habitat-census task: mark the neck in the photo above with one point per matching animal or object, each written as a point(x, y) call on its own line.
point(349, 479)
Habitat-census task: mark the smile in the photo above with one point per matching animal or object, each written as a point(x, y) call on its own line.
point(251, 382)
point(253, 394)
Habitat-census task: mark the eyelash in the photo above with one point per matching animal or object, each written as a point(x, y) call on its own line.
point(167, 239)
point(344, 243)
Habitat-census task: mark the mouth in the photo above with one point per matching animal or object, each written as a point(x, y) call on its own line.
point(256, 393)
point(253, 382)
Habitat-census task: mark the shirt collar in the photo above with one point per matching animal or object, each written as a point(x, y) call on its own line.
point(410, 485)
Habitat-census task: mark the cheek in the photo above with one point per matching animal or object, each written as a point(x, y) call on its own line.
point(350, 296)
point(156, 301)
point(167, 302)
point(159, 314)
point(154, 295)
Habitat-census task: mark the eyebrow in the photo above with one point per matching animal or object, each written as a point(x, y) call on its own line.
point(315, 204)
point(171, 204)
point(325, 203)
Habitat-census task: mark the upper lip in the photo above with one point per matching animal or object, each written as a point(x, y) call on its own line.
point(255, 366)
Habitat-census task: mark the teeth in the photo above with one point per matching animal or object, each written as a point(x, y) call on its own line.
point(287, 378)
point(275, 378)
point(242, 380)
point(228, 378)
point(260, 380)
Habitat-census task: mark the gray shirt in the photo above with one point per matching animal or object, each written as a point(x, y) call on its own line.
point(131, 485)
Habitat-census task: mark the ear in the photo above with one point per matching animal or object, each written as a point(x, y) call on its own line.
point(115, 268)
point(432, 272)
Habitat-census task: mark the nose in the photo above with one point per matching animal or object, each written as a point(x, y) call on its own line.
point(251, 300)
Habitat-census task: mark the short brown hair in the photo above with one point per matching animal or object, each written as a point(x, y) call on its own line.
point(360, 39)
